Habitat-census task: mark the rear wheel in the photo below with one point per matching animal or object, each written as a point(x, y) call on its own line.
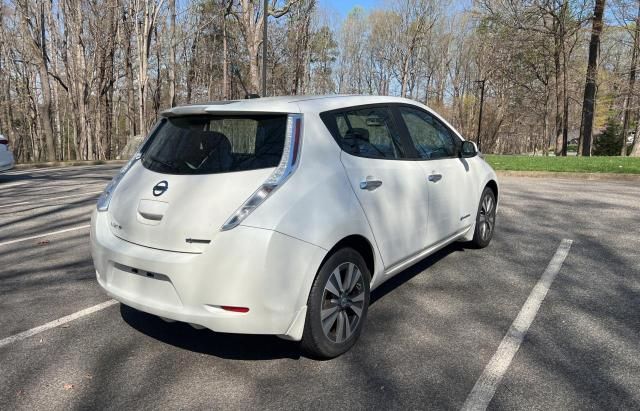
point(485, 219)
point(337, 305)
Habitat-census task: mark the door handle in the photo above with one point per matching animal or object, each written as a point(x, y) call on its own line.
point(434, 178)
point(370, 184)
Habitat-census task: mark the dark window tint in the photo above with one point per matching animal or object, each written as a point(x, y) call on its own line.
point(366, 132)
point(215, 144)
point(430, 137)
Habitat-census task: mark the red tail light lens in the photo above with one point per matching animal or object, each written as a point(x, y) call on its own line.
point(235, 309)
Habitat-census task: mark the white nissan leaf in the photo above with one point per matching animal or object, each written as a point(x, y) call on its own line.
point(280, 215)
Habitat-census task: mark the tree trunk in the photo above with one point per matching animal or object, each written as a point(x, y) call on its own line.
point(626, 110)
point(191, 71)
point(404, 77)
point(225, 60)
point(545, 126)
point(39, 43)
point(47, 114)
point(82, 81)
point(559, 99)
point(76, 74)
point(592, 76)
point(565, 88)
point(128, 72)
point(144, 33)
point(254, 67)
point(635, 151)
point(172, 53)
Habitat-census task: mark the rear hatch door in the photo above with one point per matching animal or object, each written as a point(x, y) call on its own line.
point(195, 171)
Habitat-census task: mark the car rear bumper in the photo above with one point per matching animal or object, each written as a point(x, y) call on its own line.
point(266, 271)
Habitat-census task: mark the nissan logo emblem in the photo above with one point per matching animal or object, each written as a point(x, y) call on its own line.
point(160, 188)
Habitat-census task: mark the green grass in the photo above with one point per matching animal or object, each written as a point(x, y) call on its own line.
point(622, 165)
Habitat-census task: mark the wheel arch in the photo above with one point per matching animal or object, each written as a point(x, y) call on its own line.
point(493, 185)
point(359, 243)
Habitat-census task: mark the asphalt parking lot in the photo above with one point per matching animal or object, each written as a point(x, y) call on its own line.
point(430, 333)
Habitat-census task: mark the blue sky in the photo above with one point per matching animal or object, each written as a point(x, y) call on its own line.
point(344, 6)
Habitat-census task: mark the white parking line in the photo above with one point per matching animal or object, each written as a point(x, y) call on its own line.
point(41, 200)
point(55, 169)
point(14, 184)
point(484, 389)
point(56, 323)
point(33, 237)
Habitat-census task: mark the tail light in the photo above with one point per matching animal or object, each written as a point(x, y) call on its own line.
point(288, 164)
point(235, 309)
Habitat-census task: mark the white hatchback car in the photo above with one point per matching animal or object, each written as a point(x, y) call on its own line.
point(280, 215)
point(6, 156)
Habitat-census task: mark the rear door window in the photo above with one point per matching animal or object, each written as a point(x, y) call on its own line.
point(365, 132)
point(431, 138)
point(215, 144)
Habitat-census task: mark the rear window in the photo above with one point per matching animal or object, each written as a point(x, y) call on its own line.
point(365, 132)
point(215, 144)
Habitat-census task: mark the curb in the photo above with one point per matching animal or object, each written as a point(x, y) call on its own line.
point(569, 175)
point(26, 166)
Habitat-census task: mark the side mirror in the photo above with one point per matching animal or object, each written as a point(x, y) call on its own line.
point(468, 149)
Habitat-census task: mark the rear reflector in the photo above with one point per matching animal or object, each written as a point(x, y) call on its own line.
point(235, 309)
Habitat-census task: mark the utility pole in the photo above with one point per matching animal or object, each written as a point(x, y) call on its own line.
point(264, 48)
point(478, 140)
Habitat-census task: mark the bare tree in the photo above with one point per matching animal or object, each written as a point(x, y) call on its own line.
point(172, 53)
point(145, 16)
point(33, 18)
point(84, 76)
point(592, 77)
point(249, 18)
point(628, 97)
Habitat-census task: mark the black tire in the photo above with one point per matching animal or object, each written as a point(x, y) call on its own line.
point(318, 343)
point(485, 219)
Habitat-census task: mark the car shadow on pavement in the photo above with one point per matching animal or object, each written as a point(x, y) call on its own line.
point(412, 271)
point(229, 346)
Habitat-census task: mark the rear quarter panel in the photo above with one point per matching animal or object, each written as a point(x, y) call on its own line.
point(317, 205)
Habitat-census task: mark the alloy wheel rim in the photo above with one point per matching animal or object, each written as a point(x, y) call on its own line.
point(487, 217)
point(342, 302)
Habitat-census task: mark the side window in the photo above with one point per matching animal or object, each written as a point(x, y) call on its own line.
point(366, 132)
point(430, 137)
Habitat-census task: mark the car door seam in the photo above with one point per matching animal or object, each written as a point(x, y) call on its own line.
point(373, 234)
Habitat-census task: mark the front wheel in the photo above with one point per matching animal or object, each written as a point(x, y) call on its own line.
point(337, 305)
point(485, 219)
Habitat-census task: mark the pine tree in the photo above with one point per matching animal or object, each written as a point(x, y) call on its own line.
point(609, 143)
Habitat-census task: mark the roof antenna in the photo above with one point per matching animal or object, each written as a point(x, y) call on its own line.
point(247, 95)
